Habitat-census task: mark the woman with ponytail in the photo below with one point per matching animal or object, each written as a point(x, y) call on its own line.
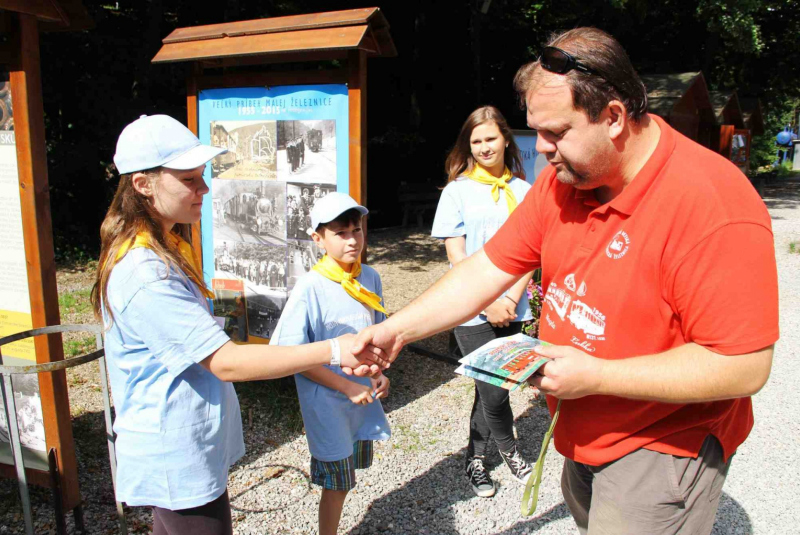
point(485, 181)
point(177, 422)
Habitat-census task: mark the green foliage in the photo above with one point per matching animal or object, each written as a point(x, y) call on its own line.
point(764, 149)
point(785, 169)
point(794, 247)
point(734, 22)
point(536, 299)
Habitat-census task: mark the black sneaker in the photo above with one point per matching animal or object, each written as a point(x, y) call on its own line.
point(482, 484)
point(520, 469)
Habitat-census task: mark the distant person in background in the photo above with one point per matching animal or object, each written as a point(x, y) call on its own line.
point(485, 181)
point(302, 144)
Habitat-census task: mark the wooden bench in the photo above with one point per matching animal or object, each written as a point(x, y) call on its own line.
point(418, 199)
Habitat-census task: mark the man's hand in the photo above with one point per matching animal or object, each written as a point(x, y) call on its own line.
point(380, 385)
point(501, 312)
point(369, 362)
point(570, 374)
point(378, 340)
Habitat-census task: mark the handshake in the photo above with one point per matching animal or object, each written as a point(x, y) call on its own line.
point(570, 373)
point(369, 352)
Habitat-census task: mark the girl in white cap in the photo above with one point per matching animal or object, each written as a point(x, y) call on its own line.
point(177, 421)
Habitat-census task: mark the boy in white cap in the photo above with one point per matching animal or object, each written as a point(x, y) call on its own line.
point(341, 413)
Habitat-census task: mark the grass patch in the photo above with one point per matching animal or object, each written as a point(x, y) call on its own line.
point(79, 346)
point(275, 400)
point(75, 303)
point(794, 247)
point(407, 439)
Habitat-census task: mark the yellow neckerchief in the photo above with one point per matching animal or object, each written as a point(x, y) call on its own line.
point(480, 174)
point(185, 248)
point(333, 271)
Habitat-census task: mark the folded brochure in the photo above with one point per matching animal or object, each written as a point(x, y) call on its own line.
point(506, 362)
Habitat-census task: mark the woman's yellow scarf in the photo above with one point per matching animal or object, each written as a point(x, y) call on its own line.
point(480, 174)
point(185, 248)
point(333, 271)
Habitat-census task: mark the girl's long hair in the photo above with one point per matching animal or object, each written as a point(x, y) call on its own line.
point(460, 159)
point(129, 214)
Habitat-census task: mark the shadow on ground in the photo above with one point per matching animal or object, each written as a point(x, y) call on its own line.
point(413, 246)
point(732, 519)
point(426, 501)
point(782, 194)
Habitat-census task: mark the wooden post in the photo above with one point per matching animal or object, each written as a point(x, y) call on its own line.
point(357, 101)
point(26, 91)
point(191, 123)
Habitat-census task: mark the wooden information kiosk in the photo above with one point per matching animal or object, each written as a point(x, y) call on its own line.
point(287, 97)
point(28, 292)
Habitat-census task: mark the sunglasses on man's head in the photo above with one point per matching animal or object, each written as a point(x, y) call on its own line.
point(557, 61)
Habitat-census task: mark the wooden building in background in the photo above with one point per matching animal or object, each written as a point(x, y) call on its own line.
point(753, 115)
point(683, 101)
point(729, 117)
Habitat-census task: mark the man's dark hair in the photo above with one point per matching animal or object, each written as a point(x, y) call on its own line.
point(591, 93)
point(351, 216)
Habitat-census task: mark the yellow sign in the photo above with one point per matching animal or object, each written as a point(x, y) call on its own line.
point(12, 323)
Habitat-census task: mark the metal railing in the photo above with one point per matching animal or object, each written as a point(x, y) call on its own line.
point(9, 407)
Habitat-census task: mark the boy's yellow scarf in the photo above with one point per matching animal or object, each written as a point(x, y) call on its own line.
point(185, 248)
point(333, 271)
point(480, 174)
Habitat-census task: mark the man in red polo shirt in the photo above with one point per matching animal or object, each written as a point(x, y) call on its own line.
point(661, 294)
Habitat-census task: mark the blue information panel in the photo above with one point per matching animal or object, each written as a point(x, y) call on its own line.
point(287, 148)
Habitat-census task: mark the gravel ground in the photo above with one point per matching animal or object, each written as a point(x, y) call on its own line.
point(416, 483)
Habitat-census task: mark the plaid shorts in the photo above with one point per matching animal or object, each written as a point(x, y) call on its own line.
point(341, 475)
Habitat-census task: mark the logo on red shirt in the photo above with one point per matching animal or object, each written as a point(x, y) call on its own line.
point(619, 245)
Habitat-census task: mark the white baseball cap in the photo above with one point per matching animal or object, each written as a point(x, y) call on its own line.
point(331, 206)
point(160, 141)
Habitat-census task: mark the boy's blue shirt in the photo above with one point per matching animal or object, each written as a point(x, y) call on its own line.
point(319, 309)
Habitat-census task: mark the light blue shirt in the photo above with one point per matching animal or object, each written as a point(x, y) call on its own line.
point(466, 208)
point(178, 427)
point(319, 309)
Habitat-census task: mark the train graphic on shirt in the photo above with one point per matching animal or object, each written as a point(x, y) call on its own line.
point(583, 316)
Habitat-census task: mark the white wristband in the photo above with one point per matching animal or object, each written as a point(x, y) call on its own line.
point(336, 355)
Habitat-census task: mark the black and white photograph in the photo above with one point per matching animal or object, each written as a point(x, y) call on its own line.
point(307, 151)
point(263, 312)
point(300, 199)
point(302, 255)
point(261, 267)
point(249, 211)
point(262, 270)
point(252, 150)
point(30, 421)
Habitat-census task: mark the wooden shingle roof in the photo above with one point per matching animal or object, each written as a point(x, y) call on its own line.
point(277, 38)
point(665, 90)
point(54, 15)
